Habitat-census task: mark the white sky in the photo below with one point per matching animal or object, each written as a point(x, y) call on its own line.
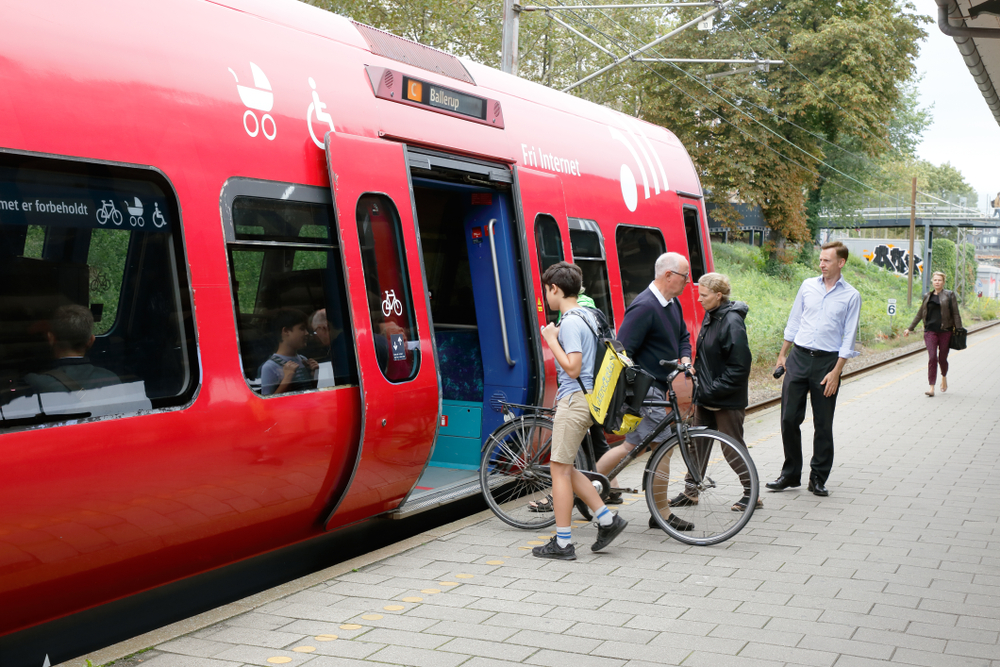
point(964, 131)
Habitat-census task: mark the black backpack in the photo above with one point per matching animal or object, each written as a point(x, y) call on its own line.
point(619, 385)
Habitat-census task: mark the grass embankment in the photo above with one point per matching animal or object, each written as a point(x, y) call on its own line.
point(770, 294)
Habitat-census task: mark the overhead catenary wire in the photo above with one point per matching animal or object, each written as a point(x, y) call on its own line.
point(826, 178)
point(723, 119)
point(718, 115)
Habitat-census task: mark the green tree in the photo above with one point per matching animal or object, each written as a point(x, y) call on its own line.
point(947, 182)
point(846, 66)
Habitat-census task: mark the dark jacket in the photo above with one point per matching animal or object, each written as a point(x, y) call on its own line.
point(651, 332)
point(950, 315)
point(723, 361)
point(71, 375)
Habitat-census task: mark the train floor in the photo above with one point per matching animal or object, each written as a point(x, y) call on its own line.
point(898, 566)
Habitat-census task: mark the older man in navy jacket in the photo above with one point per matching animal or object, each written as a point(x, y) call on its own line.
point(653, 329)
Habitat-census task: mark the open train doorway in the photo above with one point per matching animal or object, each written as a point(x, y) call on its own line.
point(471, 258)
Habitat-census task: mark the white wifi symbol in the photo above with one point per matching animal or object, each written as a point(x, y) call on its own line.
point(630, 193)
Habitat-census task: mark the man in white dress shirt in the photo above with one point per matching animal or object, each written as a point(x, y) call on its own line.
point(820, 333)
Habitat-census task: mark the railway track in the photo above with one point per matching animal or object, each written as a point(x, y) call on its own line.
point(771, 402)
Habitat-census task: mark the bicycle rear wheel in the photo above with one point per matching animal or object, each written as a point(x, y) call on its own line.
point(728, 475)
point(515, 472)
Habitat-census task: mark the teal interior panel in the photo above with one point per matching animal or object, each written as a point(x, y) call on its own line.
point(454, 452)
point(463, 418)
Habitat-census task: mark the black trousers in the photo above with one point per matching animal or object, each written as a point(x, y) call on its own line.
point(803, 374)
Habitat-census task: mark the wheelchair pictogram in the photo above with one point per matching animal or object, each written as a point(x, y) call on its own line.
point(258, 98)
point(158, 219)
point(108, 212)
point(391, 304)
point(318, 108)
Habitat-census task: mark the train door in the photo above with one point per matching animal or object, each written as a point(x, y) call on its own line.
point(543, 210)
point(697, 253)
point(472, 268)
point(386, 293)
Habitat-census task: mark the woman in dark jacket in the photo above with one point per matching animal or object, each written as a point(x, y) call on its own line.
point(939, 311)
point(722, 365)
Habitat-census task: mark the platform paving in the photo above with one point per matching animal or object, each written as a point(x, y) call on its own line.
point(900, 565)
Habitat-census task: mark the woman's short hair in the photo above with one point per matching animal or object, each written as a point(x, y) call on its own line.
point(717, 282)
point(567, 277)
point(944, 276)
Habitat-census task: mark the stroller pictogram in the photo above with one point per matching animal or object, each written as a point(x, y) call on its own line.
point(259, 98)
point(135, 213)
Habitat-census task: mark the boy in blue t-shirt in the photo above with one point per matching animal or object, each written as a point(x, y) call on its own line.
point(573, 345)
point(287, 370)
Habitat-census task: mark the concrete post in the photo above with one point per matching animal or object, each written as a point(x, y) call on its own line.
point(508, 47)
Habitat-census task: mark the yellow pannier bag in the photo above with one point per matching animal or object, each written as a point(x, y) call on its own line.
point(608, 401)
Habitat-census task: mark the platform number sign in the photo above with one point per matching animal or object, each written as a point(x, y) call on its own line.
point(891, 307)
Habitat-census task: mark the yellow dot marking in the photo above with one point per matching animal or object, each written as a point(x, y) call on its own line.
point(545, 537)
point(581, 523)
point(535, 542)
point(304, 649)
point(325, 638)
point(413, 599)
point(464, 576)
point(494, 562)
point(350, 626)
point(393, 607)
point(525, 548)
point(372, 617)
point(431, 591)
point(448, 583)
point(280, 660)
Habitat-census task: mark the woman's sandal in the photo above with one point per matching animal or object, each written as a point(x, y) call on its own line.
point(944, 384)
point(929, 393)
point(741, 504)
point(543, 505)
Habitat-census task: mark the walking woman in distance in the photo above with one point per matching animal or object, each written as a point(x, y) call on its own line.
point(939, 311)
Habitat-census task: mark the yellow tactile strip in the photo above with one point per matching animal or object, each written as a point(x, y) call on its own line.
point(281, 659)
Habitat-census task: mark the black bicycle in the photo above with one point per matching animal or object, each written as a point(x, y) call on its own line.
point(702, 477)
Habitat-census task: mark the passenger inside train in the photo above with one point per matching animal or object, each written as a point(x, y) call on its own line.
point(286, 370)
point(69, 253)
point(71, 335)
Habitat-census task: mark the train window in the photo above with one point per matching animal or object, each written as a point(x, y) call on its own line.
point(389, 302)
point(548, 243)
point(95, 315)
point(638, 249)
point(587, 243)
point(288, 289)
point(692, 228)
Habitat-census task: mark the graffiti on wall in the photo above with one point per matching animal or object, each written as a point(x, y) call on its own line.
point(891, 258)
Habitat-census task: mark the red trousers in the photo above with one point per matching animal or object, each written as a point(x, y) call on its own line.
point(937, 350)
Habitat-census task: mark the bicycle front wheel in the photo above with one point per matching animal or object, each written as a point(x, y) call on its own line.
point(705, 513)
point(514, 472)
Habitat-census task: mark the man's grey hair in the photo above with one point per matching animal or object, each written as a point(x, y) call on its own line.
point(669, 261)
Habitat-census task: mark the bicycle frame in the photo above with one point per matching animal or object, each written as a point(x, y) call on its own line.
point(680, 434)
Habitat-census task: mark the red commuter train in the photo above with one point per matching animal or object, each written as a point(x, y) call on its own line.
point(187, 172)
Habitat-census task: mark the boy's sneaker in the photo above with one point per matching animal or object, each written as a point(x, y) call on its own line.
point(551, 549)
point(607, 534)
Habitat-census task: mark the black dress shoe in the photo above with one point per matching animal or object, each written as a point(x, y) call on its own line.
point(783, 482)
point(818, 488)
point(675, 522)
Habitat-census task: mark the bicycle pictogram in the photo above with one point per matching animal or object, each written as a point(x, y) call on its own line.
point(108, 212)
point(391, 304)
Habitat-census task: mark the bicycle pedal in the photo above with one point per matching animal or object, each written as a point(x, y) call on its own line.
point(625, 489)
